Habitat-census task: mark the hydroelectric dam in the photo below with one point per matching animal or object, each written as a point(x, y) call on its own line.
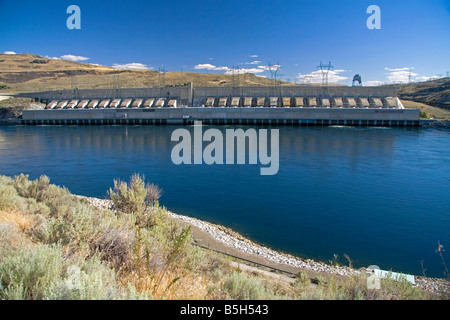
point(255, 105)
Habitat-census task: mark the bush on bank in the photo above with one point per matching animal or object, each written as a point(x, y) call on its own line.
point(55, 245)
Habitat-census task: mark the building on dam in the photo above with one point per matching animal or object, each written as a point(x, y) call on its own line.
point(246, 105)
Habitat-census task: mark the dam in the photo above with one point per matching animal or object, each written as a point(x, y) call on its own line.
point(247, 105)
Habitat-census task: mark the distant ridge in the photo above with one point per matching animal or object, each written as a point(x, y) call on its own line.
point(434, 93)
point(30, 72)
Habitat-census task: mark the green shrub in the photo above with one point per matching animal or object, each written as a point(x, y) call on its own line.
point(135, 197)
point(26, 272)
point(58, 200)
point(5, 180)
point(8, 197)
point(239, 286)
point(10, 238)
point(31, 188)
point(114, 245)
point(41, 272)
point(90, 281)
point(129, 198)
point(22, 184)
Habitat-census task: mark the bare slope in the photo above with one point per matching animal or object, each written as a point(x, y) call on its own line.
point(434, 93)
point(28, 72)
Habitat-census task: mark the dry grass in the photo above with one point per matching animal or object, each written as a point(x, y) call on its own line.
point(431, 112)
point(174, 285)
point(20, 220)
point(435, 92)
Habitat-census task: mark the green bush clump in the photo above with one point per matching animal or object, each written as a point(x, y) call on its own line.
point(90, 280)
point(27, 271)
point(30, 188)
point(58, 200)
point(240, 286)
point(42, 272)
point(8, 196)
point(134, 197)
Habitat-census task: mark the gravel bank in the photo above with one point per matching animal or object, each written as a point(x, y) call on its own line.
point(234, 240)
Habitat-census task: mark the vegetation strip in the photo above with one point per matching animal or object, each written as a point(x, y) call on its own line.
point(54, 245)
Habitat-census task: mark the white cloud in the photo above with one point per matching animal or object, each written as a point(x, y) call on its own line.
point(272, 67)
point(372, 83)
point(316, 76)
point(425, 78)
point(399, 75)
point(9, 52)
point(131, 66)
point(244, 70)
point(228, 70)
point(208, 66)
point(71, 57)
point(253, 56)
point(68, 57)
point(404, 75)
point(254, 62)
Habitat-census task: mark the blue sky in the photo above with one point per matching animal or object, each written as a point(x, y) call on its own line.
point(217, 35)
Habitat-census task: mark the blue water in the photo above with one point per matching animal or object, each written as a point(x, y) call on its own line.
point(379, 195)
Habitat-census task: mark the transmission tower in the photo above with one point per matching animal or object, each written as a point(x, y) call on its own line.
point(325, 68)
point(162, 76)
point(279, 78)
point(274, 72)
point(307, 79)
point(74, 85)
point(117, 81)
point(234, 71)
point(116, 85)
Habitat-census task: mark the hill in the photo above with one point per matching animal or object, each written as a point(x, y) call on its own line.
point(29, 72)
point(434, 93)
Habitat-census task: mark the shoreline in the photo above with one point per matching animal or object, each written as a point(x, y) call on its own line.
point(227, 241)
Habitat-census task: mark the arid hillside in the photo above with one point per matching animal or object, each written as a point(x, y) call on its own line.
point(29, 72)
point(434, 93)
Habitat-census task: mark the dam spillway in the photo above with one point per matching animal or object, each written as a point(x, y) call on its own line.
point(286, 105)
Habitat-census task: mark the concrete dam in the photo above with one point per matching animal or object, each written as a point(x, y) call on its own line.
point(272, 105)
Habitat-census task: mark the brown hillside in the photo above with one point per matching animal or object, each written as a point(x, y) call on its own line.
point(29, 72)
point(434, 93)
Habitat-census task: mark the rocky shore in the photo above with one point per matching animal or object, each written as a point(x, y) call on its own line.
point(236, 241)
